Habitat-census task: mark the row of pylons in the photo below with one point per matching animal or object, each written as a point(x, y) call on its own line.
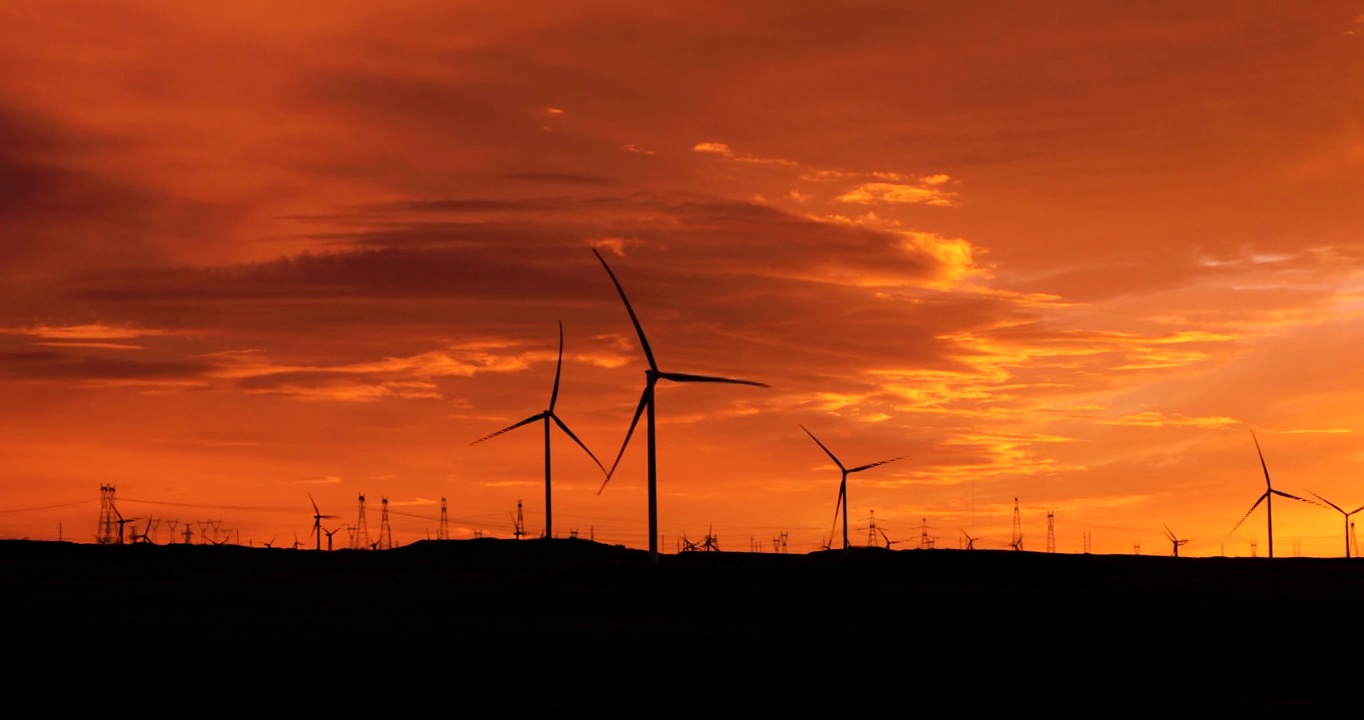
point(360, 539)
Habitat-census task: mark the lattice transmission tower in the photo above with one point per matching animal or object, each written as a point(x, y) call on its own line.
point(109, 529)
point(443, 530)
point(385, 530)
point(1051, 531)
point(360, 540)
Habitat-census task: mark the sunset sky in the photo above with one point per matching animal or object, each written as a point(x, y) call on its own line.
point(1069, 252)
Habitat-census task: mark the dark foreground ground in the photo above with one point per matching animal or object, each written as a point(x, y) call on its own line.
point(472, 627)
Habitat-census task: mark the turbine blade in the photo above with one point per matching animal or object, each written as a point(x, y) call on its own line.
point(826, 450)
point(1169, 533)
point(314, 502)
point(643, 341)
point(1281, 493)
point(639, 410)
point(564, 427)
point(684, 377)
point(883, 462)
point(1352, 512)
point(1328, 502)
point(1262, 458)
point(558, 369)
point(1248, 512)
point(509, 428)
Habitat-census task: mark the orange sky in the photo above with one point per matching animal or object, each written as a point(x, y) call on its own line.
point(1069, 252)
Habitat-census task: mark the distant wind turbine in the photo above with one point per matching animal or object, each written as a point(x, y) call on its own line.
point(1347, 518)
point(547, 416)
point(843, 485)
point(970, 541)
point(1267, 498)
point(646, 402)
point(318, 517)
point(1176, 541)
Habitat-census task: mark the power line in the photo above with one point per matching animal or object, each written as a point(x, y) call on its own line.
point(48, 507)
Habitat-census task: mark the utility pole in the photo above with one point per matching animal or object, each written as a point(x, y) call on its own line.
point(1136, 548)
point(520, 528)
point(1051, 531)
point(1254, 547)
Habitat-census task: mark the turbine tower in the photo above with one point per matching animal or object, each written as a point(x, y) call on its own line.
point(1348, 524)
point(843, 485)
point(1267, 498)
point(546, 416)
point(646, 402)
point(1016, 542)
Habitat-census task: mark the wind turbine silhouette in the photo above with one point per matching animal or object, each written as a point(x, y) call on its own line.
point(1267, 498)
point(970, 541)
point(318, 517)
point(843, 486)
point(1347, 518)
point(1176, 541)
point(646, 402)
point(547, 416)
point(330, 533)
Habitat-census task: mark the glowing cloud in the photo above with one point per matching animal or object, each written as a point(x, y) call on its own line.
point(896, 193)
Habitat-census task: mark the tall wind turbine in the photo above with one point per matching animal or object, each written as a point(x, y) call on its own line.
point(1347, 518)
point(318, 517)
point(843, 486)
point(646, 402)
point(1267, 498)
point(547, 416)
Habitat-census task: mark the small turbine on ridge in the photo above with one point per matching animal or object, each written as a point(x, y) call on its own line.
point(1267, 498)
point(547, 416)
point(843, 485)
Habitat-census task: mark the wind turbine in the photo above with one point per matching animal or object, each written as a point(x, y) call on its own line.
point(330, 533)
point(547, 416)
point(1347, 518)
point(646, 402)
point(843, 486)
point(318, 517)
point(1267, 498)
point(886, 537)
point(970, 541)
point(1176, 541)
